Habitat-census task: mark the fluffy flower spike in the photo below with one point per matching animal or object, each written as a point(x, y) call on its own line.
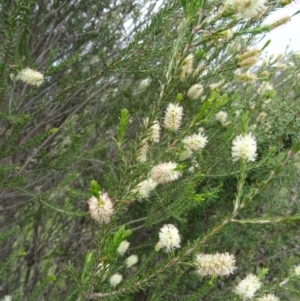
point(165, 172)
point(123, 247)
point(215, 265)
point(195, 91)
point(269, 297)
point(145, 187)
point(195, 142)
point(30, 77)
point(115, 279)
point(173, 117)
point(169, 238)
point(247, 9)
point(101, 209)
point(131, 260)
point(244, 148)
point(248, 287)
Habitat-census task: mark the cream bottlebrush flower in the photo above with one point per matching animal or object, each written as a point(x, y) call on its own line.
point(131, 260)
point(221, 116)
point(173, 117)
point(165, 172)
point(123, 247)
point(248, 287)
point(195, 142)
point(269, 297)
point(157, 247)
point(217, 85)
point(187, 66)
point(244, 147)
point(155, 132)
point(115, 279)
point(261, 117)
point(195, 91)
point(143, 151)
point(169, 238)
point(101, 209)
point(246, 78)
point(264, 87)
point(215, 264)
point(145, 187)
point(248, 8)
point(30, 77)
point(187, 153)
point(297, 270)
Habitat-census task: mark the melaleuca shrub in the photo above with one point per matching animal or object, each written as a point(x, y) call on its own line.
point(177, 145)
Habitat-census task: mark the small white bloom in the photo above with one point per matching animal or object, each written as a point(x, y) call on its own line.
point(195, 91)
point(187, 153)
point(269, 297)
point(143, 151)
point(248, 287)
point(248, 8)
point(115, 279)
point(217, 85)
point(221, 116)
point(246, 78)
point(7, 298)
point(264, 87)
point(195, 142)
point(215, 264)
point(101, 209)
point(123, 247)
point(157, 247)
point(30, 77)
point(155, 134)
point(244, 147)
point(165, 172)
point(169, 238)
point(131, 260)
point(187, 66)
point(261, 117)
point(145, 187)
point(173, 117)
point(297, 270)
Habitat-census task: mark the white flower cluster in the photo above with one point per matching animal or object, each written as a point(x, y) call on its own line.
point(30, 77)
point(264, 87)
point(169, 238)
point(221, 116)
point(155, 131)
point(195, 91)
point(165, 172)
point(143, 151)
point(187, 66)
point(244, 148)
point(173, 117)
point(248, 287)
point(131, 260)
point(101, 209)
point(297, 270)
point(195, 142)
point(248, 8)
point(220, 264)
point(115, 279)
point(123, 247)
point(269, 297)
point(145, 187)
